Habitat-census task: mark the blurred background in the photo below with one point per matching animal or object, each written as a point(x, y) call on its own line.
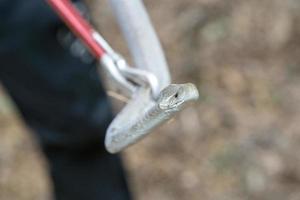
point(240, 141)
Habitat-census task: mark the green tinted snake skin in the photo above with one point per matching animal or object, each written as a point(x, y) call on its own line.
point(142, 114)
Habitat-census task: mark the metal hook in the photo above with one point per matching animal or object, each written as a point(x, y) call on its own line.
point(120, 68)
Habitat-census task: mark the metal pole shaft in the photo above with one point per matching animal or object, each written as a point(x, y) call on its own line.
point(141, 38)
point(71, 16)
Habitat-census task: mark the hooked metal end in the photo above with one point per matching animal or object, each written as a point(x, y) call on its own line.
point(108, 64)
point(126, 77)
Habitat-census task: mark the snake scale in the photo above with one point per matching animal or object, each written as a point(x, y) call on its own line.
point(142, 114)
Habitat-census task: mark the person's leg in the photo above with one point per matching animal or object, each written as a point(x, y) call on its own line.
point(62, 100)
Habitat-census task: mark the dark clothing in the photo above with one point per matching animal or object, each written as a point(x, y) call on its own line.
point(61, 99)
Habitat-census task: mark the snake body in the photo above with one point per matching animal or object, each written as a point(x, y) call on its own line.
point(142, 114)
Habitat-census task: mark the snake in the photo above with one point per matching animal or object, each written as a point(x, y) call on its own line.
point(143, 114)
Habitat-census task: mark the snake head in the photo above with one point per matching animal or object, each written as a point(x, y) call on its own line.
point(175, 96)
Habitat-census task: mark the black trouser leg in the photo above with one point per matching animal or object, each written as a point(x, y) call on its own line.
point(87, 174)
point(62, 100)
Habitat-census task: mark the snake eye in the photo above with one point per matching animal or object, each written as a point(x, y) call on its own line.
point(176, 95)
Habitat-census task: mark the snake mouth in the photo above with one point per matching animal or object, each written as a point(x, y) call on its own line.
point(175, 107)
point(177, 96)
point(177, 104)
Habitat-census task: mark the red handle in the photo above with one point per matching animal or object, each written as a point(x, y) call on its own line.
point(82, 29)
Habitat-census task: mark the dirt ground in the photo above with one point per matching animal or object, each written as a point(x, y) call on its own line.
point(239, 142)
